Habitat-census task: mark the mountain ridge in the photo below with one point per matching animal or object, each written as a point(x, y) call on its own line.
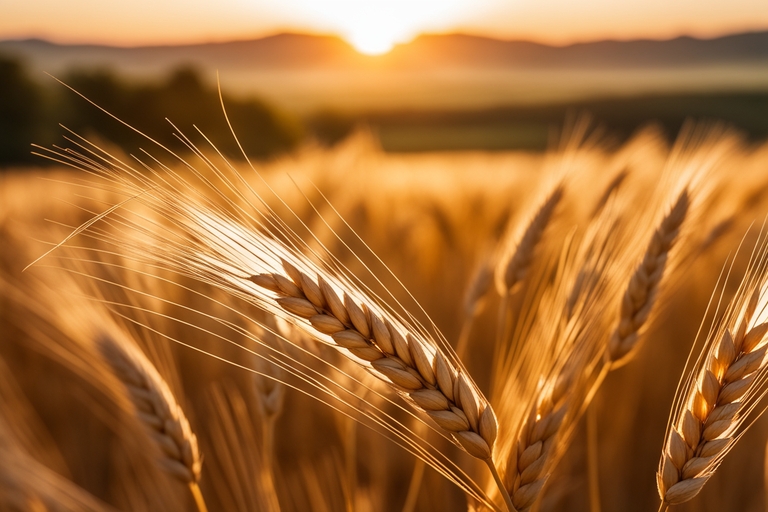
point(308, 51)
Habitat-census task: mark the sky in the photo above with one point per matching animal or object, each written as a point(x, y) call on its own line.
point(373, 26)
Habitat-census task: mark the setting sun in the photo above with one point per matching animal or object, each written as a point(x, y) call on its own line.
point(374, 27)
point(375, 42)
point(373, 34)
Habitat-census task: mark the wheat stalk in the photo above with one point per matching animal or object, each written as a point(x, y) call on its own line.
point(410, 363)
point(642, 291)
point(270, 392)
point(722, 390)
point(516, 266)
point(240, 477)
point(158, 410)
point(568, 359)
point(28, 486)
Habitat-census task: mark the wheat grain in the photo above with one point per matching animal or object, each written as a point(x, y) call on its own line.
point(563, 349)
point(722, 391)
point(158, 410)
point(550, 420)
point(474, 299)
point(410, 363)
point(539, 443)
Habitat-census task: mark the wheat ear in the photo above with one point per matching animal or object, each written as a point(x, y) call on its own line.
point(609, 191)
point(474, 300)
point(410, 363)
point(723, 389)
point(537, 445)
point(516, 267)
point(641, 293)
point(158, 410)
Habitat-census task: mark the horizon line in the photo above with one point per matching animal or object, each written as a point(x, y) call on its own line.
point(307, 33)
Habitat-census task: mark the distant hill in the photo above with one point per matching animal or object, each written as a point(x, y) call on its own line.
point(473, 51)
point(304, 73)
point(301, 51)
point(279, 51)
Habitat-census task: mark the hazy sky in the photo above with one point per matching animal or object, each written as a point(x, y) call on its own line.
point(372, 25)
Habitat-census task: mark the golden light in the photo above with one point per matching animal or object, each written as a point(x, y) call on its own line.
point(374, 27)
point(372, 42)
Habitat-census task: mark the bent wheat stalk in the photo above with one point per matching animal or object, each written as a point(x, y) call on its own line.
point(239, 251)
point(720, 393)
point(158, 410)
point(406, 360)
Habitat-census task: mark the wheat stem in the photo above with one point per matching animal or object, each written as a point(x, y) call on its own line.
point(268, 445)
point(501, 486)
point(414, 488)
point(593, 469)
point(463, 341)
point(350, 462)
point(198, 497)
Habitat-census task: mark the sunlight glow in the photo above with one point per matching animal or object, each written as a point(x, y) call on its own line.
point(371, 43)
point(373, 27)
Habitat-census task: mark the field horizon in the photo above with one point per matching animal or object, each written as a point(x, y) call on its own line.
point(305, 73)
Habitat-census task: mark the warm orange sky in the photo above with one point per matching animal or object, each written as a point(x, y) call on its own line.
point(373, 25)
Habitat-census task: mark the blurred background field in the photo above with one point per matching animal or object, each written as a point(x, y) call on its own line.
point(440, 92)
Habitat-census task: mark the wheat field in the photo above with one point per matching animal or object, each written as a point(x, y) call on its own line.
point(345, 329)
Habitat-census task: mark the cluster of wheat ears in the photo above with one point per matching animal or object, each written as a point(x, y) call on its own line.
point(276, 281)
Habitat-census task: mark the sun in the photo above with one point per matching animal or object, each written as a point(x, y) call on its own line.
point(373, 42)
point(374, 27)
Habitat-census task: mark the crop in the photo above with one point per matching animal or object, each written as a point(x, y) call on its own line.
point(320, 332)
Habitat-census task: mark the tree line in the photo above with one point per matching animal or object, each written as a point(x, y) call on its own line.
point(31, 112)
